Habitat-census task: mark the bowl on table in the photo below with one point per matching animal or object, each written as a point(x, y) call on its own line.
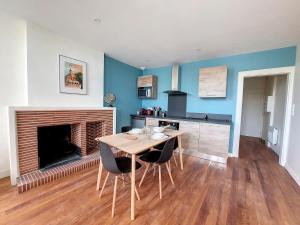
point(159, 129)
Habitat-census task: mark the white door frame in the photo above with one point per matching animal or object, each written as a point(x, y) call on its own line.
point(290, 72)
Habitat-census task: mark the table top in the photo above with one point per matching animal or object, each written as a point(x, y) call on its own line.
point(136, 143)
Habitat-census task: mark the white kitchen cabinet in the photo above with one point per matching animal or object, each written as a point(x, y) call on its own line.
point(213, 82)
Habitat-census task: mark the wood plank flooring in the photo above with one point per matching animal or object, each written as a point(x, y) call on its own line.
point(252, 190)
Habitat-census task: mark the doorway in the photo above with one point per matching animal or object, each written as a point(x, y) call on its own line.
point(263, 110)
point(242, 76)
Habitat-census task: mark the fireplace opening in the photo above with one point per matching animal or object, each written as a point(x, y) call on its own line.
point(55, 146)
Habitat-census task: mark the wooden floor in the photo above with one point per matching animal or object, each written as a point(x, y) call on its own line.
point(253, 189)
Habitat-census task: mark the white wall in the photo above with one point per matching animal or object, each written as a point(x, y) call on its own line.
point(280, 96)
point(29, 62)
point(253, 107)
point(44, 48)
point(13, 78)
point(269, 88)
point(293, 158)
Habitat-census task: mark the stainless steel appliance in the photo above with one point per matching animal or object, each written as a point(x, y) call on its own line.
point(175, 85)
point(176, 98)
point(145, 92)
point(138, 121)
point(173, 125)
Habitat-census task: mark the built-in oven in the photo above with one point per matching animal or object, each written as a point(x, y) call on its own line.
point(145, 92)
point(173, 125)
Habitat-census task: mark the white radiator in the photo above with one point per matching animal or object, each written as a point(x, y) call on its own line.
point(273, 135)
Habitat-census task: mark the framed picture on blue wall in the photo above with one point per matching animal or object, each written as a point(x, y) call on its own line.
point(72, 76)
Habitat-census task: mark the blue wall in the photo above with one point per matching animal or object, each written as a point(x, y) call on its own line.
point(120, 79)
point(190, 72)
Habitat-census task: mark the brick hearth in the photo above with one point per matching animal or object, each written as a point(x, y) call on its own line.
point(37, 178)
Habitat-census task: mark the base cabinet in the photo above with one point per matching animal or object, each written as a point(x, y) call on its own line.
point(190, 137)
point(202, 139)
point(214, 139)
point(151, 122)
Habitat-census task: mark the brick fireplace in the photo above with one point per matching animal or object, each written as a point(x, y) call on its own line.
point(86, 125)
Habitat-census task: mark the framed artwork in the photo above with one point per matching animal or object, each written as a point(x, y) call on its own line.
point(72, 76)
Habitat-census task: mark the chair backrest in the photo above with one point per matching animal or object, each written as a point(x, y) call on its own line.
point(108, 159)
point(125, 129)
point(176, 143)
point(167, 151)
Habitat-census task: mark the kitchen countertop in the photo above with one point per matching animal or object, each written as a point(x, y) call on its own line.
point(203, 120)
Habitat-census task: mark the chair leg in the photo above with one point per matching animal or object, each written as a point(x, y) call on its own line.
point(174, 157)
point(114, 197)
point(169, 172)
point(136, 192)
point(146, 170)
point(123, 180)
point(154, 168)
point(99, 175)
point(104, 185)
point(159, 175)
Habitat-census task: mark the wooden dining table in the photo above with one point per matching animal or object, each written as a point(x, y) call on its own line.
point(134, 144)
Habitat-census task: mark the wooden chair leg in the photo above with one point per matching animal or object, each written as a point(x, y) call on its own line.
point(123, 180)
point(174, 157)
point(146, 170)
point(104, 185)
point(169, 172)
point(159, 175)
point(136, 192)
point(99, 176)
point(154, 168)
point(114, 197)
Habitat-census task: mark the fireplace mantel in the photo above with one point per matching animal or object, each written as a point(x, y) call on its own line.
point(16, 111)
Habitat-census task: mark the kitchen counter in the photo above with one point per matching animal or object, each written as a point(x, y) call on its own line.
point(212, 118)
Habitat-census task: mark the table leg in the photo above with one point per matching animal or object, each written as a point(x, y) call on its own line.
point(99, 175)
point(180, 151)
point(133, 158)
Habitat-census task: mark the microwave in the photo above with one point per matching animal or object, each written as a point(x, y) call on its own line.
point(145, 92)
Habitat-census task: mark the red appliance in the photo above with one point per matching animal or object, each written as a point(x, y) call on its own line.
point(149, 112)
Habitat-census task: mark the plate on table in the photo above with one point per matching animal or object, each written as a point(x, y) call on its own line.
point(158, 136)
point(135, 131)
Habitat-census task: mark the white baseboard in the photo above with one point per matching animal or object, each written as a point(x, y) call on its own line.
point(4, 173)
point(293, 174)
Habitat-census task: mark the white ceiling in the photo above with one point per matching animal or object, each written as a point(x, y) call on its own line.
point(160, 32)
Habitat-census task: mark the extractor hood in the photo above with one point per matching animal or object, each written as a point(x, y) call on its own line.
point(175, 90)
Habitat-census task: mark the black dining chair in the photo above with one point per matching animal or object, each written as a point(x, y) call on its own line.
point(161, 146)
point(157, 158)
point(118, 166)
